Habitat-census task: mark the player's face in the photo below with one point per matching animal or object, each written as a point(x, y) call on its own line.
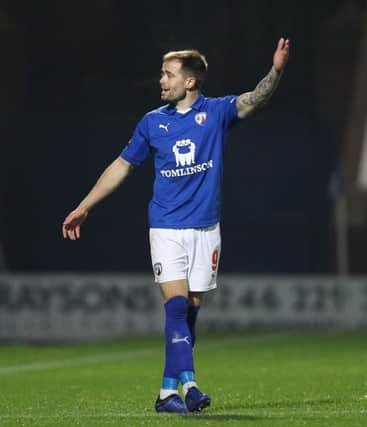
point(173, 82)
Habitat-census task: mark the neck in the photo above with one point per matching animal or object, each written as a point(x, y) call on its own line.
point(185, 103)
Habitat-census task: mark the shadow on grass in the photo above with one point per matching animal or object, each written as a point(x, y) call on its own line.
point(224, 417)
point(249, 407)
point(280, 404)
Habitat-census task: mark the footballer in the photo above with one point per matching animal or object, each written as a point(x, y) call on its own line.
point(187, 137)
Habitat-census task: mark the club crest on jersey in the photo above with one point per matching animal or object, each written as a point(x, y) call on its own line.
point(200, 118)
point(184, 151)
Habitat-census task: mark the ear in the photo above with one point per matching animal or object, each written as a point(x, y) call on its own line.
point(190, 83)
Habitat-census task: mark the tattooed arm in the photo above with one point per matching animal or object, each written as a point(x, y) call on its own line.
point(248, 102)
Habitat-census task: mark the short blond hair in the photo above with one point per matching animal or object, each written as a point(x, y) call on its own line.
point(192, 62)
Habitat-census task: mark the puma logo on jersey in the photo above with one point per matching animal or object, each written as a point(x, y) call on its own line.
point(184, 339)
point(165, 127)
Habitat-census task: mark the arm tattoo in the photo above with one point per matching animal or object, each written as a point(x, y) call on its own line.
point(250, 101)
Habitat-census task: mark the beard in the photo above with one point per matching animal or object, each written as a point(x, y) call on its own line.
point(173, 97)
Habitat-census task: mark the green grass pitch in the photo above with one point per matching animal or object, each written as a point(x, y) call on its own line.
point(269, 378)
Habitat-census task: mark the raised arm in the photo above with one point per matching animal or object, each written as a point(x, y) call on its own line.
point(248, 102)
point(110, 179)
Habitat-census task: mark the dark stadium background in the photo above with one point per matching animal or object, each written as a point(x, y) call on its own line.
point(76, 76)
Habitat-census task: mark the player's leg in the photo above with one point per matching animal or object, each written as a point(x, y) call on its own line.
point(170, 267)
point(204, 253)
point(179, 356)
point(195, 400)
point(178, 345)
point(195, 302)
point(204, 250)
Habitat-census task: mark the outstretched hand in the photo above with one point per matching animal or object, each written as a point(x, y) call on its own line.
point(72, 223)
point(281, 54)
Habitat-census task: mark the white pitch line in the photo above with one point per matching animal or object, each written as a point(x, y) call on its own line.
point(77, 361)
point(124, 355)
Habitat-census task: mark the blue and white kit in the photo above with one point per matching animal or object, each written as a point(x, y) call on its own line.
point(188, 149)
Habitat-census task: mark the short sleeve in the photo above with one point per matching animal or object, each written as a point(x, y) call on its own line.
point(228, 110)
point(138, 148)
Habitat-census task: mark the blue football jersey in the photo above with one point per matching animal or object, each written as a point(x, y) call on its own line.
point(188, 149)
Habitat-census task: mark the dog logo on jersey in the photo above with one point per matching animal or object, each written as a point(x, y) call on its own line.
point(157, 267)
point(165, 127)
point(184, 151)
point(200, 118)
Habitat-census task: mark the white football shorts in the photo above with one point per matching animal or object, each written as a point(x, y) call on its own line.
point(191, 254)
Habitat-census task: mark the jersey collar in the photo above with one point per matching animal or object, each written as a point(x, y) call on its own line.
point(171, 109)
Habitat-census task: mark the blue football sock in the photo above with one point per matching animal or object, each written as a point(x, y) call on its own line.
point(191, 321)
point(187, 376)
point(169, 383)
point(178, 338)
